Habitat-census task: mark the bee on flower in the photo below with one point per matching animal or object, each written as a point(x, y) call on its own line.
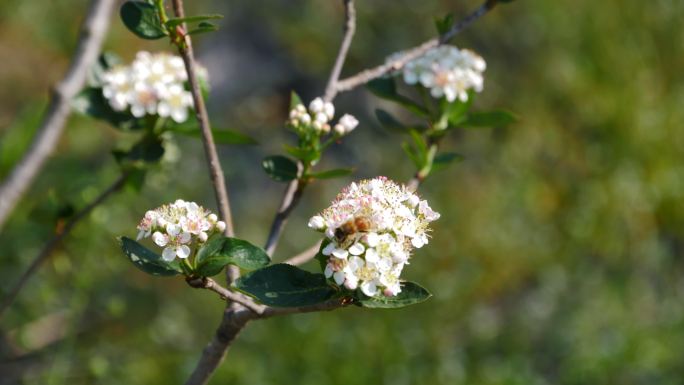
point(371, 229)
point(177, 226)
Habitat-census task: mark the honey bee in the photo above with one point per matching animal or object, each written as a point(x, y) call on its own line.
point(349, 231)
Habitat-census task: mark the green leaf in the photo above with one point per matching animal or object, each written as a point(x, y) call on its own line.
point(411, 152)
point(498, 118)
point(280, 168)
point(221, 136)
point(388, 121)
point(149, 150)
point(142, 19)
point(386, 89)
point(147, 260)
point(203, 27)
point(411, 293)
point(443, 160)
point(444, 24)
point(136, 179)
point(457, 110)
point(302, 154)
point(295, 100)
point(420, 145)
point(90, 102)
point(283, 285)
point(173, 22)
point(330, 174)
point(220, 251)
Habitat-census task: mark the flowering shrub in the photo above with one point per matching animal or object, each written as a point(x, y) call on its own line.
point(371, 229)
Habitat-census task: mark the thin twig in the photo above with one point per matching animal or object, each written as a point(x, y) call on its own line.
point(366, 76)
point(215, 169)
point(50, 247)
point(305, 256)
point(210, 284)
point(291, 198)
point(92, 34)
point(349, 29)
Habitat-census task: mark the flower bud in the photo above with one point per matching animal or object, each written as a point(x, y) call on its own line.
point(316, 105)
point(316, 222)
point(329, 110)
point(220, 226)
point(212, 218)
point(202, 236)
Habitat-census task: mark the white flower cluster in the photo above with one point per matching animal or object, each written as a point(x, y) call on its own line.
point(371, 229)
point(176, 226)
point(447, 71)
point(153, 84)
point(318, 118)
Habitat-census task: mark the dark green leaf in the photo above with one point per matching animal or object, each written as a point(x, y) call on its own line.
point(420, 145)
point(136, 178)
point(388, 121)
point(295, 100)
point(283, 285)
point(330, 174)
point(220, 251)
point(91, 102)
point(203, 27)
point(142, 19)
point(411, 152)
point(149, 150)
point(221, 136)
point(444, 24)
point(386, 89)
point(443, 160)
point(173, 22)
point(147, 260)
point(488, 119)
point(280, 168)
point(457, 110)
point(302, 154)
point(411, 293)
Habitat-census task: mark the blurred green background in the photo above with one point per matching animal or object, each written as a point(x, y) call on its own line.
point(557, 260)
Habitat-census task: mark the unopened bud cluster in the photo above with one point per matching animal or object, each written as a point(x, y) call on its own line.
point(177, 226)
point(371, 229)
point(153, 84)
point(318, 119)
point(446, 71)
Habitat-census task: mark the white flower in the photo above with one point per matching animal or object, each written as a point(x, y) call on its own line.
point(175, 227)
point(153, 84)
point(447, 71)
point(371, 229)
point(175, 103)
point(347, 124)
